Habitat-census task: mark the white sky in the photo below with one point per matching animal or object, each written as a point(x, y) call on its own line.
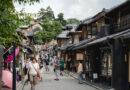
point(80, 9)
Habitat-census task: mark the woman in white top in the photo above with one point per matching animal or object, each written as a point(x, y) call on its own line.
point(79, 71)
point(33, 71)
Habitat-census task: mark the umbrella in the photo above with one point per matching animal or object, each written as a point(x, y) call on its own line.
point(7, 78)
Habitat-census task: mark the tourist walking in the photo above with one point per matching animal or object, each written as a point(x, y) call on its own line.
point(79, 71)
point(26, 68)
point(47, 64)
point(61, 66)
point(68, 66)
point(33, 71)
point(56, 67)
point(41, 68)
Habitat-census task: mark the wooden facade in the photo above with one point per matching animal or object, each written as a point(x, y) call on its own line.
point(108, 58)
point(104, 48)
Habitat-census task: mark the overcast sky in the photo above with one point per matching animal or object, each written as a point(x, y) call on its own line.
point(71, 8)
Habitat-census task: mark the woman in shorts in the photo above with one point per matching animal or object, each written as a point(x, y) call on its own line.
point(33, 71)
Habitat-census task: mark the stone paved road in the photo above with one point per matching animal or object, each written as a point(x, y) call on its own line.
point(65, 83)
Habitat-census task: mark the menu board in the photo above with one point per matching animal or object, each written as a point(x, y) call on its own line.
point(79, 56)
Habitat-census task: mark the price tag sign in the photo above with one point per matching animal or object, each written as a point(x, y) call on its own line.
point(95, 76)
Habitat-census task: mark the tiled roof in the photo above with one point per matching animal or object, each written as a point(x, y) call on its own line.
point(73, 30)
point(71, 25)
point(116, 7)
point(24, 26)
point(63, 34)
point(32, 32)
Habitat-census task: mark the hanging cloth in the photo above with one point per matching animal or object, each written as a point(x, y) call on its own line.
point(10, 57)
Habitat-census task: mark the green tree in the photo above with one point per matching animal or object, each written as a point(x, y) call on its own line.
point(9, 20)
point(50, 31)
point(57, 27)
point(51, 27)
point(46, 15)
point(72, 20)
point(25, 18)
point(38, 38)
point(60, 18)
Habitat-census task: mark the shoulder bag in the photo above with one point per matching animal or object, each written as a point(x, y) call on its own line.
point(38, 73)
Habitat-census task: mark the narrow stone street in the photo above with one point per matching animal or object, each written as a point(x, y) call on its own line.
point(65, 83)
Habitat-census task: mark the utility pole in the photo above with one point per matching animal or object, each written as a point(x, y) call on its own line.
point(1, 64)
point(14, 68)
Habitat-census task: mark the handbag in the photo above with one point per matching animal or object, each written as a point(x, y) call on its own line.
point(38, 73)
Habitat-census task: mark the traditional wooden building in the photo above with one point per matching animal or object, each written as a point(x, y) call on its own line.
point(105, 46)
point(27, 32)
point(75, 37)
point(62, 41)
point(30, 30)
point(120, 22)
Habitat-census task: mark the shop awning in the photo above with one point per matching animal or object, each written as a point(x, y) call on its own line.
point(100, 40)
point(81, 42)
point(124, 36)
point(70, 47)
point(127, 35)
point(66, 47)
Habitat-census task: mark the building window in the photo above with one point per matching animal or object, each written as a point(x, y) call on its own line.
point(76, 38)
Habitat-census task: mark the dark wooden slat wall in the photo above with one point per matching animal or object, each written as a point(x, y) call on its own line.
point(120, 67)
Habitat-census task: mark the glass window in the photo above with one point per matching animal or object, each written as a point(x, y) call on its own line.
point(76, 38)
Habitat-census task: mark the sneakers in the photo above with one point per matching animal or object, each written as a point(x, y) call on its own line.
point(56, 79)
point(80, 82)
point(61, 74)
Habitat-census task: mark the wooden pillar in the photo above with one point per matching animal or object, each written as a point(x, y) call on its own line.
point(120, 66)
point(84, 34)
point(119, 19)
point(73, 39)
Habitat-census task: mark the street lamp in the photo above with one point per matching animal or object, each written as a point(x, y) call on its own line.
point(14, 68)
point(14, 64)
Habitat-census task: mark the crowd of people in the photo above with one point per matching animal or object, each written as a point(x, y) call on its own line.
point(34, 68)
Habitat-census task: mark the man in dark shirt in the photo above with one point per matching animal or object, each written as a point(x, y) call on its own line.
point(46, 64)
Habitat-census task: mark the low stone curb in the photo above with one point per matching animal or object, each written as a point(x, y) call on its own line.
point(76, 77)
point(21, 84)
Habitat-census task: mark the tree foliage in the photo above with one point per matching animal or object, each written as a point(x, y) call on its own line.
point(26, 1)
point(46, 15)
point(50, 31)
point(24, 18)
point(51, 27)
point(9, 20)
point(72, 20)
point(60, 18)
